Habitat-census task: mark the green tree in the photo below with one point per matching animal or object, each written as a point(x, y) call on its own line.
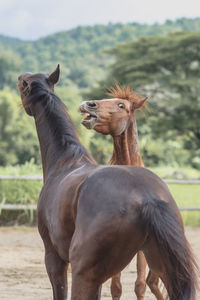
point(167, 69)
point(18, 142)
point(10, 64)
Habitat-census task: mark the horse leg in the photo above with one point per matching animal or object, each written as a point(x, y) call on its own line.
point(155, 262)
point(140, 284)
point(116, 287)
point(57, 272)
point(94, 262)
point(84, 287)
point(152, 281)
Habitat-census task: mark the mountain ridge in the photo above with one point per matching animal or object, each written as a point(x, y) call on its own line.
point(81, 51)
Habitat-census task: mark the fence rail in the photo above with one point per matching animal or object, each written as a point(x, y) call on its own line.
point(31, 178)
point(34, 207)
point(182, 181)
point(39, 178)
point(18, 207)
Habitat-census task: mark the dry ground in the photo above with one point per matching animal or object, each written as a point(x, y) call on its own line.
point(23, 275)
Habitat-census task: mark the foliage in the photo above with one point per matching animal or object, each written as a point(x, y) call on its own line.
point(19, 191)
point(10, 64)
point(18, 142)
point(29, 168)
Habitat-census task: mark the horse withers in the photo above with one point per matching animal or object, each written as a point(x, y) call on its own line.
point(98, 217)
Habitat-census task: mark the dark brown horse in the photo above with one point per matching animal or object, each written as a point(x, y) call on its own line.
point(98, 217)
point(116, 117)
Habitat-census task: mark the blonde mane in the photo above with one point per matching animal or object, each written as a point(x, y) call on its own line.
point(126, 92)
point(123, 92)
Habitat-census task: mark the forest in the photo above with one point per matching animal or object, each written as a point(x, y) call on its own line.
point(161, 61)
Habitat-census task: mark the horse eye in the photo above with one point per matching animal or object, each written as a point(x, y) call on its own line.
point(121, 105)
point(24, 83)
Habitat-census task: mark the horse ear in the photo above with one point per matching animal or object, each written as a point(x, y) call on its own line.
point(54, 76)
point(139, 103)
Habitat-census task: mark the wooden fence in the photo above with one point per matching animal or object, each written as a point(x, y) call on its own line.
point(39, 178)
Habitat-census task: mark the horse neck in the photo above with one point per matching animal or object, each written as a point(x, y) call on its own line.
point(126, 148)
point(59, 144)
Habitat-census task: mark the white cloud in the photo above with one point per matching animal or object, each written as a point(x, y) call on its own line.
point(6, 4)
point(22, 19)
point(34, 18)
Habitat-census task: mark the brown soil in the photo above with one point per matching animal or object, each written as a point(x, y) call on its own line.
point(23, 275)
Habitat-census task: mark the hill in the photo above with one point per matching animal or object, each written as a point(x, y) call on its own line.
point(80, 51)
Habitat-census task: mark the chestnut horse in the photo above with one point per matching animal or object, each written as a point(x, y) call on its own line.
point(120, 112)
point(98, 217)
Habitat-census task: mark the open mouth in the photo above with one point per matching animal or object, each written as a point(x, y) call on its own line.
point(90, 118)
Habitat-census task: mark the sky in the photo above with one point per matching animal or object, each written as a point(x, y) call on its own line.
point(32, 19)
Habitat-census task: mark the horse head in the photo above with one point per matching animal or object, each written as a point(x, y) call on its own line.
point(28, 81)
point(112, 116)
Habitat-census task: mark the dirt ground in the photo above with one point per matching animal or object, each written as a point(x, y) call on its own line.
point(23, 275)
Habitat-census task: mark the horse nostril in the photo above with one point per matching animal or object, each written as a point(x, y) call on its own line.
point(91, 104)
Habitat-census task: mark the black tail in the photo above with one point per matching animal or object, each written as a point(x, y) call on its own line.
point(180, 266)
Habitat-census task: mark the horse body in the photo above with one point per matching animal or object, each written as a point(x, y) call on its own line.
point(111, 228)
point(98, 217)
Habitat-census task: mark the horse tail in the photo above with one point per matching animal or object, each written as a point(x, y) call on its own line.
point(163, 224)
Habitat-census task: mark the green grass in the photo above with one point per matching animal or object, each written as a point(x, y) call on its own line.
point(19, 192)
point(29, 169)
point(187, 195)
point(168, 172)
point(184, 194)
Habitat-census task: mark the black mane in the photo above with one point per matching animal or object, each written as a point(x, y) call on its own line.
point(59, 121)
